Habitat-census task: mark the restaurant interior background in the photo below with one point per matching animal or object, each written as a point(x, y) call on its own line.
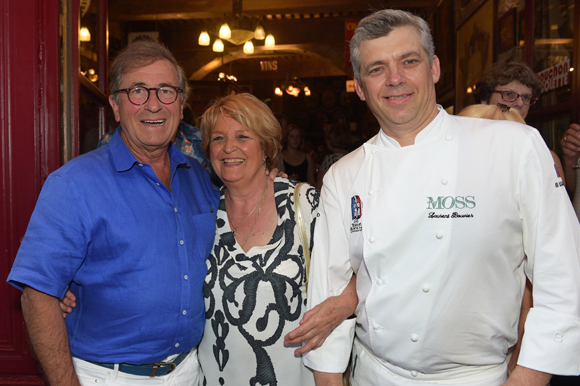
point(54, 59)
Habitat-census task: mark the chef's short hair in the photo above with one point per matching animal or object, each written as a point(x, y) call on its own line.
point(382, 23)
point(252, 114)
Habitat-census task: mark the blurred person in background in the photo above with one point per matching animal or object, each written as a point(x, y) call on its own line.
point(293, 160)
point(338, 141)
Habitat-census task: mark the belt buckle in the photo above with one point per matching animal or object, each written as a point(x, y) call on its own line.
point(171, 365)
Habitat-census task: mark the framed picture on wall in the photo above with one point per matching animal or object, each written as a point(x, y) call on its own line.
point(507, 31)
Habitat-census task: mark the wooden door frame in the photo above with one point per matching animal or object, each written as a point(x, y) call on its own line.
point(29, 151)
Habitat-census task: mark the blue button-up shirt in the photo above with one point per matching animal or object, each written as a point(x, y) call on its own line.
point(131, 250)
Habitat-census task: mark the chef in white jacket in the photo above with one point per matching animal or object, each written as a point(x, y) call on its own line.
point(441, 218)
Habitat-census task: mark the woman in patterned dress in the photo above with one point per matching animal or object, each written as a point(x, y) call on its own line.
point(255, 291)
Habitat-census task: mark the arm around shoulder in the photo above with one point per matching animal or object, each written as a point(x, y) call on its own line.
point(48, 335)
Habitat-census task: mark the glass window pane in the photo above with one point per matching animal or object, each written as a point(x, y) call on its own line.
point(553, 49)
point(88, 124)
point(88, 39)
point(552, 130)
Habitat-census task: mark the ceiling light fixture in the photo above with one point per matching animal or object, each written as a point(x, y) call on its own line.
point(218, 46)
point(238, 29)
point(259, 33)
point(225, 31)
point(223, 77)
point(270, 42)
point(293, 87)
point(84, 35)
point(248, 47)
point(203, 39)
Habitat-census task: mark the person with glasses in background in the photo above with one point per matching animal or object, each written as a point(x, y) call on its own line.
point(128, 227)
point(517, 86)
point(510, 83)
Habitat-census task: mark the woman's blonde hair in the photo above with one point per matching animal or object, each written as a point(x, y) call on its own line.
point(249, 112)
point(498, 112)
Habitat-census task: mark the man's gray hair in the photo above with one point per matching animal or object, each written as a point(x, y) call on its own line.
point(382, 23)
point(143, 51)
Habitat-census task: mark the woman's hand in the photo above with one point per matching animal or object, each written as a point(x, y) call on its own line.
point(67, 303)
point(319, 322)
point(275, 173)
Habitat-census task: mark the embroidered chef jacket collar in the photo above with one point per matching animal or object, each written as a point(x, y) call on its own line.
point(427, 134)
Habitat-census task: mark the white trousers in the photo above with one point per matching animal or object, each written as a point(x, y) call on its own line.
point(186, 374)
point(367, 370)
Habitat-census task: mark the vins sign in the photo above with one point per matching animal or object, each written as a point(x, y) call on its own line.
point(268, 65)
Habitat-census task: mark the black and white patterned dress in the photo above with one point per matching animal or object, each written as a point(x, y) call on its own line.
point(254, 299)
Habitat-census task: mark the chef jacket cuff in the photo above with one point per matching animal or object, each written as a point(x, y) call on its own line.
point(551, 343)
point(334, 354)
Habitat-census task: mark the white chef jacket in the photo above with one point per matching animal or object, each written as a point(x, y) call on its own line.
point(438, 233)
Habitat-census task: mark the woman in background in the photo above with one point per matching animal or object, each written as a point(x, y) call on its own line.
point(293, 160)
point(338, 141)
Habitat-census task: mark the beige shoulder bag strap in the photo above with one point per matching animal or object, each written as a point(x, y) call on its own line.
point(302, 231)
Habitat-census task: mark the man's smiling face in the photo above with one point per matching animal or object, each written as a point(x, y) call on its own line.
point(152, 126)
point(397, 81)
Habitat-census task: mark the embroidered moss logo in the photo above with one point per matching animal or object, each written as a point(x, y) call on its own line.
point(450, 202)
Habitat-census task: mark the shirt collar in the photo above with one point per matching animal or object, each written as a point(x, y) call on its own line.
point(424, 135)
point(124, 160)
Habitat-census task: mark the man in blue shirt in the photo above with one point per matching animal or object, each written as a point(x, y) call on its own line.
point(128, 227)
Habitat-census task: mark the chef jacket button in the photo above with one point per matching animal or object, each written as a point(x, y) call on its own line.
point(376, 326)
point(449, 138)
point(444, 181)
point(439, 235)
point(374, 152)
point(426, 288)
point(414, 337)
point(414, 373)
point(372, 239)
point(380, 282)
point(371, 192)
